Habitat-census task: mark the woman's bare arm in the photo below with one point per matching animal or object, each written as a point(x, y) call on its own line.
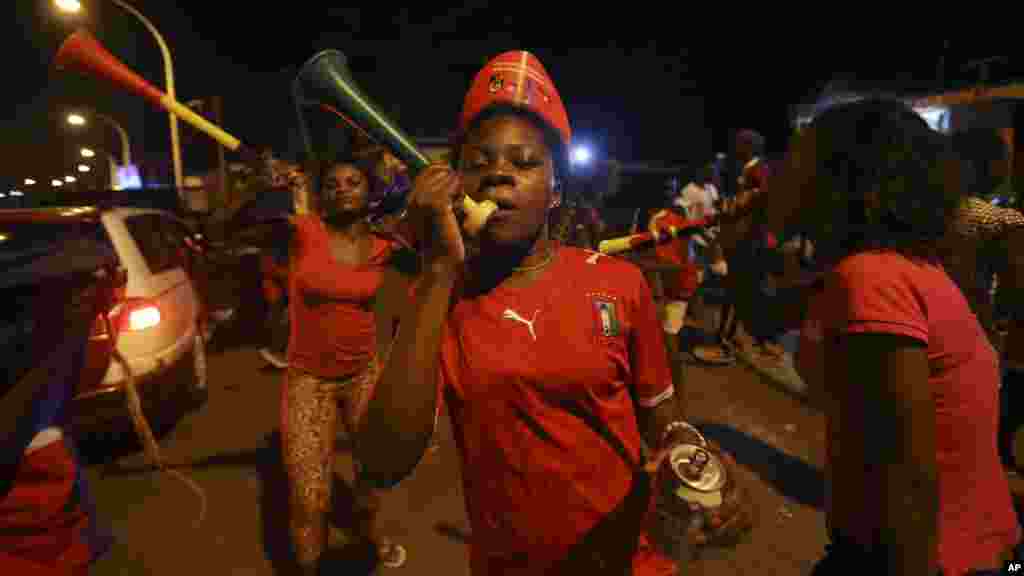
point(400, 418)
point(893, 373)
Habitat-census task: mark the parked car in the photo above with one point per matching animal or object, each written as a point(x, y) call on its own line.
point(157, 322)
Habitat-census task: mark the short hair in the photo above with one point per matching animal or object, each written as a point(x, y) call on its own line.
point(753, 139)
point(883, 147)
point(977, 149)
point(553, 140)
point(324, 167)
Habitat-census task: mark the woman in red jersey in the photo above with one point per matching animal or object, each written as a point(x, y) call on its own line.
point(549, 358)
point(332, 355)
point(908, 379)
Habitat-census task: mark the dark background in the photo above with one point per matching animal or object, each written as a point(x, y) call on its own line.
point(670, 100)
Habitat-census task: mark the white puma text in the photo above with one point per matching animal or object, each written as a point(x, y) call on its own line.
point(512, 315)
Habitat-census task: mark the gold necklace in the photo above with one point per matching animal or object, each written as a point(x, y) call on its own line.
point(550, 256)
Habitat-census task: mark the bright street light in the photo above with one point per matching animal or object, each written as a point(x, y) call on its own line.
point(72, 6)
point(29, 182)
point(16, 193)
point(69, 179)
point(87, 153)
point(580, 155)
point(2, 195)
point(76, 119)
point(83, 168)
point(56, 183)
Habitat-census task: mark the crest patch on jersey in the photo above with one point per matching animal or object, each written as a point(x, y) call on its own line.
point(606, 317)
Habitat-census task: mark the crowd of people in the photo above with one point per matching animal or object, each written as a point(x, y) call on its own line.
point(552, 359)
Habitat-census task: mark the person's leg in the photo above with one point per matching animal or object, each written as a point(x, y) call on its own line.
point(276, 334)
point(675, 316)
point(280, 331)
point(309, 424)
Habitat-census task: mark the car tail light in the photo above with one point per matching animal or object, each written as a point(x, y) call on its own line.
point(137, 315)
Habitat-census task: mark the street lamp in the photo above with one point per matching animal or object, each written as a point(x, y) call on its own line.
point(29, 182)
point(87, 153)
point(580, 155)
point(69, 179)
point(16, 193)
point(74, 6)
point(83, 168)
point(126, 153)
point(56, 183)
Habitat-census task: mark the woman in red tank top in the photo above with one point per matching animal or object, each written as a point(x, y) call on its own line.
point(332, 356)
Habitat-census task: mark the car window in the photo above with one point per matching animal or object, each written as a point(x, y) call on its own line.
point(21, 242)
point(147, 231)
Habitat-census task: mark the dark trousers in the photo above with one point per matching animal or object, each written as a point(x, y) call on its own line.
point(278, 327)
point(1011, 414)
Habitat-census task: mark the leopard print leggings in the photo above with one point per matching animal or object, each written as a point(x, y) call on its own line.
point(309, 419)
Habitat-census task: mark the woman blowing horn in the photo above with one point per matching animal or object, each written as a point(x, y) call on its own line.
point(550, 358)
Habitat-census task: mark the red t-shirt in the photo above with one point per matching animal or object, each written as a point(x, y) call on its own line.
point(333, 329)
point(883, 292)
point(536, 477)
point(676, 251)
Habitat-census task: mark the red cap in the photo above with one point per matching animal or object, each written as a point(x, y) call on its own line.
point(516, 78)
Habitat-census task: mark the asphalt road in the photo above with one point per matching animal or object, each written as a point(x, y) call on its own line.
point(229, 447)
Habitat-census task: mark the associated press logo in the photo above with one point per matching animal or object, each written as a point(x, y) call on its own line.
point(1014, 568)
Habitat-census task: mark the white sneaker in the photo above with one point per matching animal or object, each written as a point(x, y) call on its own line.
point(273, 359)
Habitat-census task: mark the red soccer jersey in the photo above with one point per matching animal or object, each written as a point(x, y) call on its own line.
point(890, 294)
point(536, 477)
point(676, 251)
point(333, 329)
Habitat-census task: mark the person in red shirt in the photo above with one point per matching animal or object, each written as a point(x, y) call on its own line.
point(681, 286)
point(889, 345)
point(549, 358)
point(337, 266)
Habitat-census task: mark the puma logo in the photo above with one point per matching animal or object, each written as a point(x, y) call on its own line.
point(512, 315)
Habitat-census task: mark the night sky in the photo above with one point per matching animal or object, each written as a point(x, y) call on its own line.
point(668, 100)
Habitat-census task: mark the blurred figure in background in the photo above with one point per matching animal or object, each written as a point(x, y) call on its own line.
point(977, 248)
point(980, 249)
point(274, 264)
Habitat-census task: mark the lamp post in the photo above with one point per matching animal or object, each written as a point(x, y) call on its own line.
point(74, 6)
point(126, 151)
